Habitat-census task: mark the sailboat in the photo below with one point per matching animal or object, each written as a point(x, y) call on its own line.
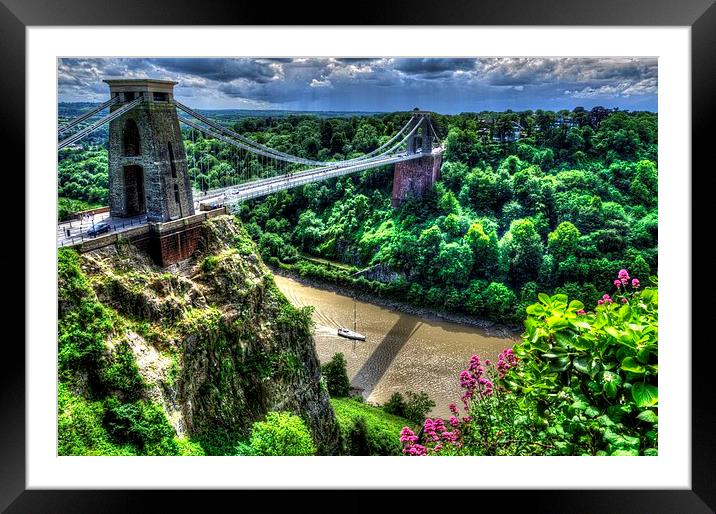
point(351, 334)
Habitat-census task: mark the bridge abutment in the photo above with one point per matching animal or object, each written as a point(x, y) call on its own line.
point(411, 179)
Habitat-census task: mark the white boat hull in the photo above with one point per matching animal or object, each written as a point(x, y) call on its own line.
point(349, 334)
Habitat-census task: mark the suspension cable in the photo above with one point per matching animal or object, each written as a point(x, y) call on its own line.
point(331, 164)
point(88, 114)
point(111, 116)
point(276, 153)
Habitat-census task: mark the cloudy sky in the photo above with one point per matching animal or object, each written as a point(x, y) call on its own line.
point(385, 84)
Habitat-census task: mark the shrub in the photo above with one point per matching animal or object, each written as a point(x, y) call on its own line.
point(122, 373)
point(282, 433)
point(395, 404)
point(417, 406)
point(79, 427)
point(414, 408)
point(83, 322)
point(358, 438)
point(142, 424)
point(336, 376)
point(209, 263)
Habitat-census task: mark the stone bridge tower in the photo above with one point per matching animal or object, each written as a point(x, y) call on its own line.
point(147, 160)
point(411, 179)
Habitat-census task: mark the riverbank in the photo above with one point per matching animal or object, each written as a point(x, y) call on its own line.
point(491, 328)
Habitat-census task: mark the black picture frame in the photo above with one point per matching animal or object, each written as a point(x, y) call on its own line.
point(16, 15)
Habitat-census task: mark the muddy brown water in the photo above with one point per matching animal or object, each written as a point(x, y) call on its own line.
point(402, 352)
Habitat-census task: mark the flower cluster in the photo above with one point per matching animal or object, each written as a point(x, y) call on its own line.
point(410, 443)
point(622, 284)
point(474, 381)
point(605, 299)
point(505, 361)
point(477, 381)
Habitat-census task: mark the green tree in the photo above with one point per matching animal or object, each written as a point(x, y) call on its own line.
point(336, 374)
point(282, 433)
point(484, 248)
point(522, 252)
point(563, 241)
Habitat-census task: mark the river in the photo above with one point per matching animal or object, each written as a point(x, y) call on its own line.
point(402, 352)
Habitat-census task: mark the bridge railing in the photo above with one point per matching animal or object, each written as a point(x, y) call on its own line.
point(116, 227)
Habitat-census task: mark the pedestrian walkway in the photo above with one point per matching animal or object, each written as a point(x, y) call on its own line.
point(75, 231)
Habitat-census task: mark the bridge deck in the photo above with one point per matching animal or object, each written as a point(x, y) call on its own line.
point(267, 186)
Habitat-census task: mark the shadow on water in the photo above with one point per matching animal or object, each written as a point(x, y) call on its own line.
point(382, 357)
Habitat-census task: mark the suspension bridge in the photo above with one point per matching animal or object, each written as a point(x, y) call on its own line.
point(148, 163)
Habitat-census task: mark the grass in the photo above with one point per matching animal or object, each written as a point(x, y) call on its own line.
point(382, 429)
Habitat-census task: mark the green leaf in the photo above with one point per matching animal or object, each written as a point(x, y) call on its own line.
point(581, 364)
point(582, 324)
point(630, 364)
point(643, 355)
point(581, 343)
point(626, 453)
point(557, 322)
point(535, 309)
point(563, 338)
point(610, 389)
point(645, 395)
point(560, 364)
point(545, 299)
point(613, 332)
point(649, 416)
point(576, 305)
point(559, 298)
point(591, 411)
point(624, 311)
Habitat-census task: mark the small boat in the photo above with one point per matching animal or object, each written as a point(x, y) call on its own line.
point(344, 332)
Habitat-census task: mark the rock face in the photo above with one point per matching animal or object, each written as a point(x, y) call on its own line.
point(217, 342)
point(382, 273)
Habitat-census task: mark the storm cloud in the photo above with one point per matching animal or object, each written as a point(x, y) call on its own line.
point(445, 85)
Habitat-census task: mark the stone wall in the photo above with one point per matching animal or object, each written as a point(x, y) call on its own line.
point(167, 243)
point(411, 179)
point(163, 178)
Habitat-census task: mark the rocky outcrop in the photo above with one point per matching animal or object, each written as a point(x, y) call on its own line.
point(216, 341)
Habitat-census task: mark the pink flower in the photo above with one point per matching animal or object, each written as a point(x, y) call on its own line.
point(635, 282)
point(581, 312)
point(618, 283)
point(623, 274)
point(624, 300)
point(600, 302)
point(454, 421)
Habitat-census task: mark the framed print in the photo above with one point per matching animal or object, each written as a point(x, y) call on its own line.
point(414, 250)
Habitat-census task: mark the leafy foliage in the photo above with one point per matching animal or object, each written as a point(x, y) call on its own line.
point(415, 406)
point(282, 433)
point(336, 375)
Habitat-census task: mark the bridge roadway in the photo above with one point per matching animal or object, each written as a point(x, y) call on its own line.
point(233, 194)
point(256, 189)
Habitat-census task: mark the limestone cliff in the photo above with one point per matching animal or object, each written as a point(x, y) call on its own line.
point(216, 343)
